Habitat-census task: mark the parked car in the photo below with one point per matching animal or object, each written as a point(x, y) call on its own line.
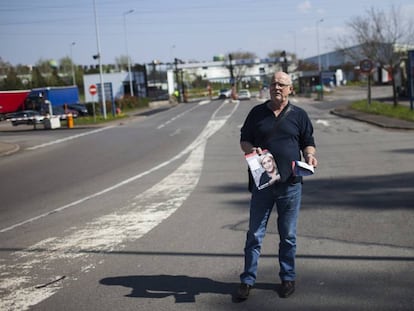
point(81, 109)
point(224, 93)
point(28, 117)
point(62, 113)
point(244, 94)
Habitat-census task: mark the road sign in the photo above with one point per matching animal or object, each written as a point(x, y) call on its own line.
point(366, 66)
point(92, 89)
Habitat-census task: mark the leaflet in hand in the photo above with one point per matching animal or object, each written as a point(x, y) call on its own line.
point(263, 169)
point(300, 168)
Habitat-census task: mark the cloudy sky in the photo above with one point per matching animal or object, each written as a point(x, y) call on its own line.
point(164, 29)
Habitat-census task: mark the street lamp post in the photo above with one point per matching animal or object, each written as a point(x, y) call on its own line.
point(319, 57)
point(71, 60)
point(294, 43)
point(131, 89)
point(172, 47)
point(99, 56)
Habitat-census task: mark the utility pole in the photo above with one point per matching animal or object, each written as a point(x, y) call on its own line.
point(232, 82)
point(131, 86)
point(176, 61)
point(73, 65)
point(284, 61)
point(319, 59)
point(231, 70)
point(98, 56)
point(176, 77)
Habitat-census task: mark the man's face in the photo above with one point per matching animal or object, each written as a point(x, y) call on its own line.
point(281, 87)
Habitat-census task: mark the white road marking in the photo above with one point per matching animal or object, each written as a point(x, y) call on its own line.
point(176, 117)
point(323, 122)
point(204, 102)
point(58, 141)
point(104, 234)
point(176, 132)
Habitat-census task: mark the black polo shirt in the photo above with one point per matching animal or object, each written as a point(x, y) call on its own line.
point(284, 140)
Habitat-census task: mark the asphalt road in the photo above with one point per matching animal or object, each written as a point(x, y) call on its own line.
point(152, 215)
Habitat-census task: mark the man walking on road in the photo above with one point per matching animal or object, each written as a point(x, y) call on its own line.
point(287, 132)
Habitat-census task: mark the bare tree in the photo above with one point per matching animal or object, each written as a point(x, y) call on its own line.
point(379, 36)
point(122, 62)
point(278, 53)
point(240, 69)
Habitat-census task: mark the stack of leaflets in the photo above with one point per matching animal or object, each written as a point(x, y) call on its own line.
point(300, 168)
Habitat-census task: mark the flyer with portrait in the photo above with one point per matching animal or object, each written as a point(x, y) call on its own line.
point(263, 169)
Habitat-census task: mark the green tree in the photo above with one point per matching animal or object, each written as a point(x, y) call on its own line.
point(12, 81)
point(65, 67)
point(4, 67)
point(37, 78)
point(23, 69)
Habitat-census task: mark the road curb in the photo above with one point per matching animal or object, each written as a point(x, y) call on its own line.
point(8, 149)
point(378, 120)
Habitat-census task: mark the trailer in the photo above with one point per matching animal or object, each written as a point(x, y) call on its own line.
point(57, 96)
point(12, 101)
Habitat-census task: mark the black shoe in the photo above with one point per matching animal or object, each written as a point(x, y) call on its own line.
point(243, 291)
point(287, 289)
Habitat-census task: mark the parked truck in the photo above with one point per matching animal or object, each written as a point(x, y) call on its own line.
point(12, 101)
point(57, 96)
point(37, 99)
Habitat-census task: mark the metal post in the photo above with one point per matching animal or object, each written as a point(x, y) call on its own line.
point(98, 44)
point(131, 87)
point(319, 56)
point(231, 70)
point(71, 60)
point(369, 89)
point(183, 98)
point(176, 78)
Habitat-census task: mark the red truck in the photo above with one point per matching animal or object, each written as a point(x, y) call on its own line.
point(12, 101)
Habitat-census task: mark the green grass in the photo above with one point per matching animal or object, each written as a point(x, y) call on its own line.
point(127, 105)
point(380, 108)
point(99, 119)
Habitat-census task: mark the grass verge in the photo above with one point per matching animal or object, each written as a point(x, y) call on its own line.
point(99, 119)
point(380, 108)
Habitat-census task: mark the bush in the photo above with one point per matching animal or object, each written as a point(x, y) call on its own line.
point(125, 104)
point(131, 103)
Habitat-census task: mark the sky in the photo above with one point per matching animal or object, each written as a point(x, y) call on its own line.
point(34, 30)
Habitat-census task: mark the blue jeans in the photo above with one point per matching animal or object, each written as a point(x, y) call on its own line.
point(287, 198)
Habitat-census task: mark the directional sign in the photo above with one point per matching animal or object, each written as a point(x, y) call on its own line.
point(92, 89)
